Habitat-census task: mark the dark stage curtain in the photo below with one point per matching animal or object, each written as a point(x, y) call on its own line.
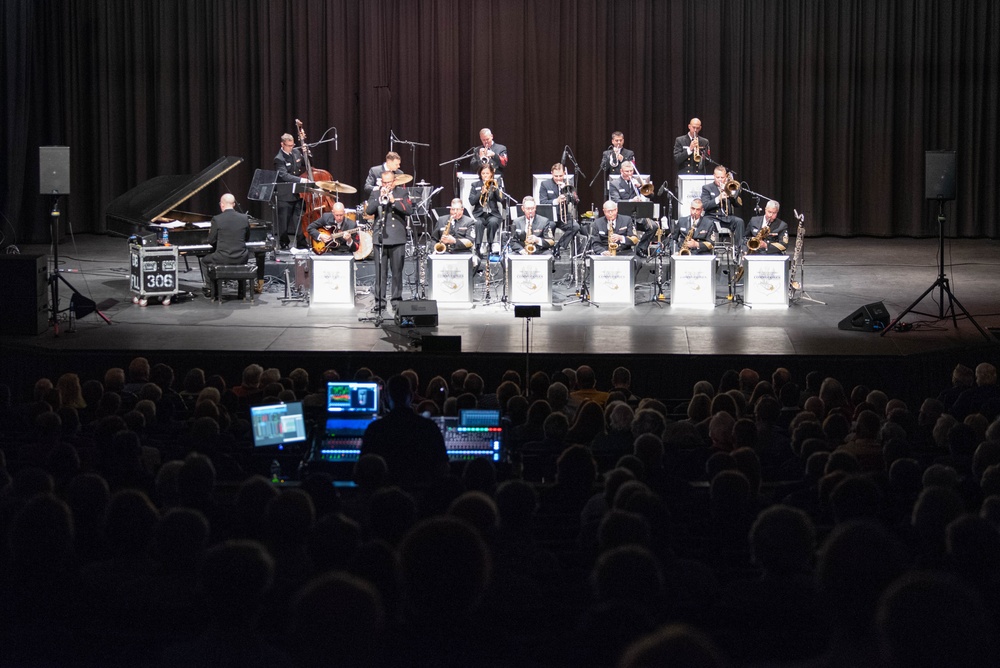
point(826, 106)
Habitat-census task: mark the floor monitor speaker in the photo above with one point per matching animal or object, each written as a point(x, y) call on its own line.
point(869, 318)
point(421, 313)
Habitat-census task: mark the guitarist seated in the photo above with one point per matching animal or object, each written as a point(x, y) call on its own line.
point(332, 232)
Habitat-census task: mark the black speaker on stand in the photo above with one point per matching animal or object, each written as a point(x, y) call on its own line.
point(53, 180)
point(939, 184)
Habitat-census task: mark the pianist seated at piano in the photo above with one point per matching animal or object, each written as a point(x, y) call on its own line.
point(332, 232)
point(228, 236)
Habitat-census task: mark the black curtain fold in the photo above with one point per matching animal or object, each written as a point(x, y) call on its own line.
point(828, 107)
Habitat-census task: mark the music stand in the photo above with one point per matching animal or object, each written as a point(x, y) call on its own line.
point(940, 186)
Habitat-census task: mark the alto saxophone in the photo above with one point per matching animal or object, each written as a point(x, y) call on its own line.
point(439, 247)
point(612, 245)
point(690, 235)
point(529, 247)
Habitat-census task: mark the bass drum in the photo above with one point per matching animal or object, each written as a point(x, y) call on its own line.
point(365, 239)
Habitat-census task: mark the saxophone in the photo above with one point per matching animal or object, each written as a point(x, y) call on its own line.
point(754, 244)
point(439, 247)
point(529, 247)
point(612, 245)
point(800, 237)
point(684, 250)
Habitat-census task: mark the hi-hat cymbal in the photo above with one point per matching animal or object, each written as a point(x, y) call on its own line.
point(402, 179)
point(336, 187)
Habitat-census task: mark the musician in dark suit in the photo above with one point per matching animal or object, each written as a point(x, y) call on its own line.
point(290, 166)
point(775, 242)
point(542, 235)
point(228, 235)
point(557, 192)
point(704, 236)
point(720, 207)
point(625, 188)
point(374, 179)
point(490, 153)
point(390, 205)
point(326, 232)
point(461, 232)
point(612, 159)
point(684, 150)
point(486, 209)
point(624, 231)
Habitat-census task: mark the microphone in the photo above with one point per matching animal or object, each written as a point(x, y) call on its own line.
point(562, 160)
point(336, 142)
point(663, 189)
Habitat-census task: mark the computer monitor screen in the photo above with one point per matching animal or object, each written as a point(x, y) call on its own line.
point(350, 397)
point(278, 424)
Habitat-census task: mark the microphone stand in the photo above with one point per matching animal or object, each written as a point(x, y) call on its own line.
point(454, 170)
point(413, 149)
point(583, 291)
point(603, 169)
point(383, 214)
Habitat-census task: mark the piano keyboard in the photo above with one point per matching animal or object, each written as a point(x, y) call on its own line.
point(204, 249)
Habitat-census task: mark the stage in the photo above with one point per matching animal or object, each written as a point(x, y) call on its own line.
point(844, 273)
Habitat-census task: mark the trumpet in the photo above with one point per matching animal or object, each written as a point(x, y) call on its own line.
point(384, 194)
point(696, 153)
point(488, 188)
point(615, 157)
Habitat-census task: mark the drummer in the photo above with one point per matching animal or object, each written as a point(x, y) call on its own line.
point(374, 180)
point(327, 233)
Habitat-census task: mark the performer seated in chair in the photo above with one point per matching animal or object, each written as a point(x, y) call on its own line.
point(460, 230)
point(486, 207)
point(228, 235)
point(721, 207)
point(695, 233)
point(775, 240)
point(531, 234)
point(557, 192)
point(621, 228)
point(334, 232)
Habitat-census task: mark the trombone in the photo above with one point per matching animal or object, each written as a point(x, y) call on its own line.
point(488, 188)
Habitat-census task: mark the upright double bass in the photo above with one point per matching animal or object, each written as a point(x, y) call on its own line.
point(314, 204)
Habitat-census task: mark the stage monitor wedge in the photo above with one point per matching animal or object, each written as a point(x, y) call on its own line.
point(420, 313)
point(869, 318)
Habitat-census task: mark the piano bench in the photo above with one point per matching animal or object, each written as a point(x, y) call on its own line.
point(243, 274)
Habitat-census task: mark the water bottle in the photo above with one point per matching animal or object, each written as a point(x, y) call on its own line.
point(275, 471)
point(166, 237)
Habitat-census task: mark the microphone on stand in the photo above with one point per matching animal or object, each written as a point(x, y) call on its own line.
point(562, 160)
point(663, 189)
point(336, 140)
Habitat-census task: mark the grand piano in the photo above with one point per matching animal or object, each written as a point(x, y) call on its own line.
point(143, 210)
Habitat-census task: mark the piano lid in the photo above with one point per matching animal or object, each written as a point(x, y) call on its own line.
point(137, 208)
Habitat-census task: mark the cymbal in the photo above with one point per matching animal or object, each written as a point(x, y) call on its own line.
point(402, 179)
point(587, 214)
point(336, 187)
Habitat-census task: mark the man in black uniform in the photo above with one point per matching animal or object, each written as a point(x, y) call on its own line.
point(775, 240)
point(390, 206)
point(721, 207)
point(702, 239)
point(490, 153)
point(326, 232)
point(374, 178)
point(623, 234)
point(228, 235)
point(692, 150)
point(411, 445)
point(461, 229)
point(290, 167)
point(613, 158)
point(542, 236)
point(563, 197)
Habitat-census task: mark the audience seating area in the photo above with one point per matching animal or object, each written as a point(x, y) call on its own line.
point(760, 519)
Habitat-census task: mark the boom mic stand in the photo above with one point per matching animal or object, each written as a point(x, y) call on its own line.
point(377, 319)
point(942, 284)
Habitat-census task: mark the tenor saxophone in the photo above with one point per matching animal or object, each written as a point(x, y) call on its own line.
point(529, 247)
point(612, 245)
point(439, 247)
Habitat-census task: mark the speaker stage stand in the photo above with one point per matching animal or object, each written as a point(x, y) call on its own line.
point(55, 277)
point(944, 289)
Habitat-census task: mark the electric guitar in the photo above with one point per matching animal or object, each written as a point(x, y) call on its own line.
point(320, 247)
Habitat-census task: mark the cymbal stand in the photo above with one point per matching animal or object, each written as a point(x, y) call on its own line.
point(944, 289)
